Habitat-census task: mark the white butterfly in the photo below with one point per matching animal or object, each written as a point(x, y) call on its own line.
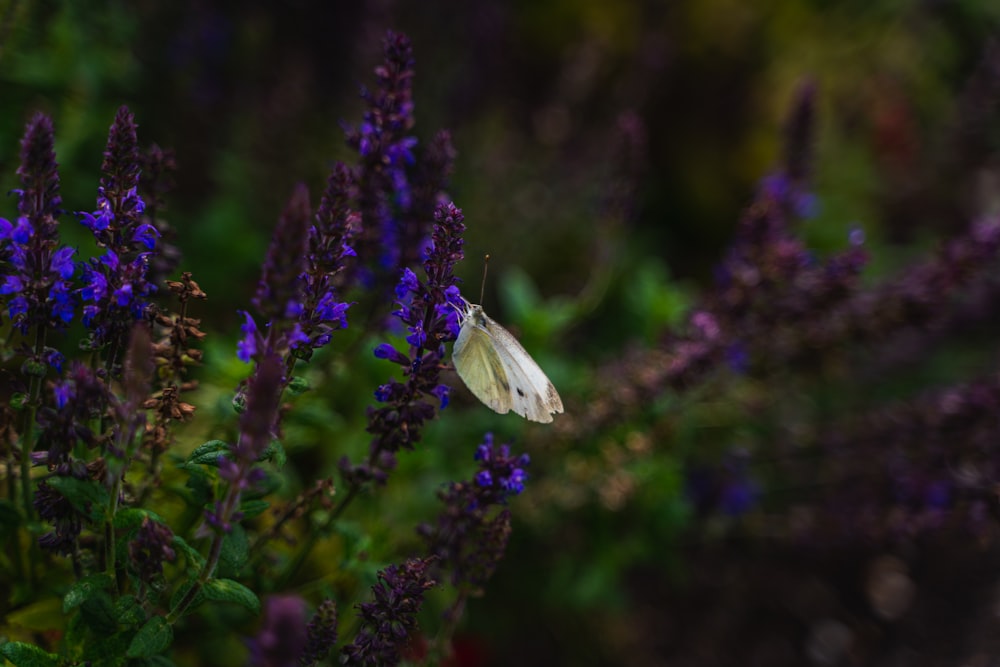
point(498, 371)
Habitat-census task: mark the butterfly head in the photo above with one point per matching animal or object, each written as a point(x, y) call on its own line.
point(468, 310)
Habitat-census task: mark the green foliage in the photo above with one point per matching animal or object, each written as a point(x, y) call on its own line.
point(227, 590)
point(21, 654)
point(154, 637)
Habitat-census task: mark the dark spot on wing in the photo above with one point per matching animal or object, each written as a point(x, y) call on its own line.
point(520, 393)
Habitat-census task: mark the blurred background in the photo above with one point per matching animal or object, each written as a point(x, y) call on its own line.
point(605, 153)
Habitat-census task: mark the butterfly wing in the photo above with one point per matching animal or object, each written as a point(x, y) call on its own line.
point(479, 365)
point(532, 394)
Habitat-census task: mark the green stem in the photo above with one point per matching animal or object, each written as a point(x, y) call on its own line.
point(226, 511)
point(303, 552)
point(27, 444)
point(110, 553)
point(16, 556)
point(27, 429)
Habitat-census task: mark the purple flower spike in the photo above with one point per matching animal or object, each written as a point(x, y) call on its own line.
point(39, 271)
point(423, 311)
point(470, 535)
point(389, 620)
point(117, 284)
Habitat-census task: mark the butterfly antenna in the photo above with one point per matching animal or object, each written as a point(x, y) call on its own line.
point(482, 288)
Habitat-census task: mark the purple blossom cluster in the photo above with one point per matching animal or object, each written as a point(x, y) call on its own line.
point(390, 619)
point(282, 635)
point(67, 521)
point(928, 463)
point(149, 548)
point(327, 257)
point(470, 535)
point(428, 309)
point(117, 289)
point(37, 271)
point(297, 291)
point(386, 151)
point(321, 633)
point(78, 402)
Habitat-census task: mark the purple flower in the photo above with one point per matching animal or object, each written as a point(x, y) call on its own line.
point(390, 619)
point(385, 149)
point(149, 548)
point(279, 291)
point(249, 345)
point(117, 284)
point(282, 636)
point(470, 535)
point(321, 633)
point(398, 424)
point(38, 269)
point(301, 276)
point(407, 285)
point(67, 522)
point(79, 398)
point(501, 474)
point(442, 391)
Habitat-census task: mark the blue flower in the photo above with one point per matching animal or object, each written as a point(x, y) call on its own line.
point(123, 295)
point(12, 284)
point(297, 338)
point(246, 347)
point(499, 470)
point(417, 337)
point(330, 310)
point(387, 351)
point(442, 391)
point(96, 285)
point(117, 284)
point(62, 263)
point(408, 284)
point(23, 232)
point(146, 235)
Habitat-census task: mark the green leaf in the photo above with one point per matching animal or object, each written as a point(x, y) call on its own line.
point(83, 589)
point(132, 517)
point(98, 613)
point(227, 590)
point(235, 551)
point(86, 496)
point(154, 637)
point(252, 508)
point(17, 400)
point(298, 386)
point(200, 484)
point(21, 654)
point(208, 453)
point(275, 453)
point(108, 651)
point(129, 612)
point(193, 556)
